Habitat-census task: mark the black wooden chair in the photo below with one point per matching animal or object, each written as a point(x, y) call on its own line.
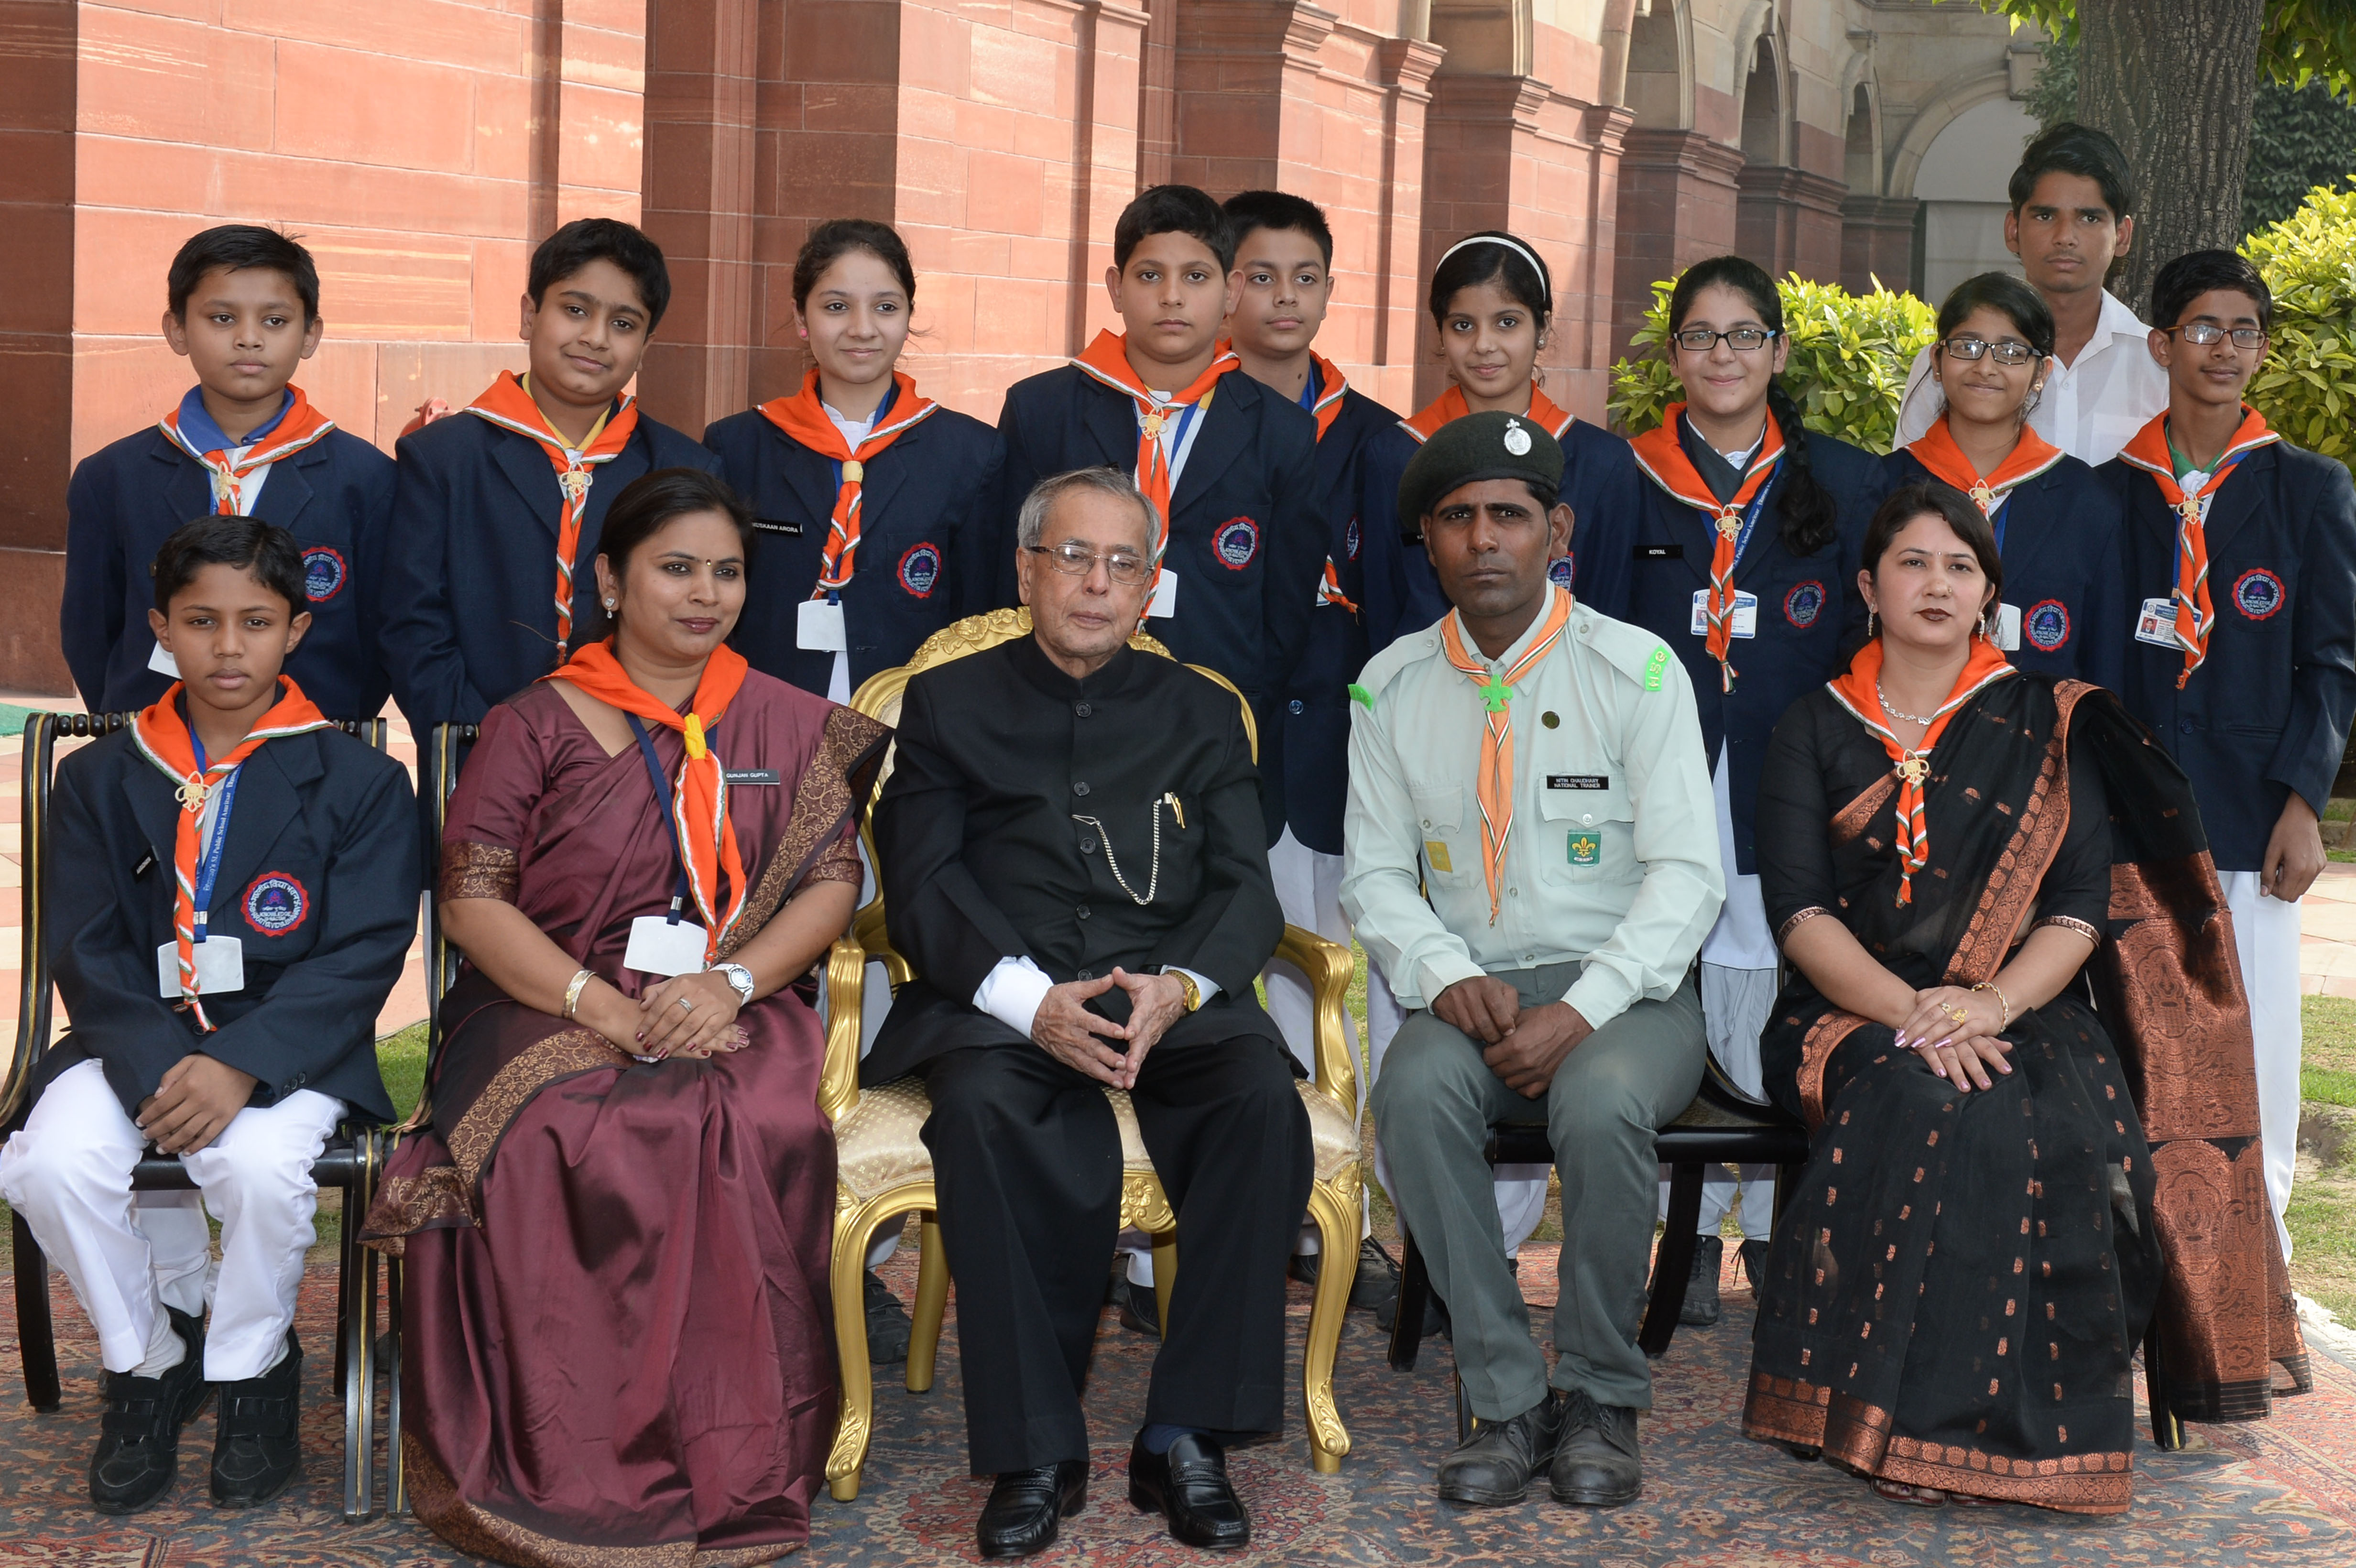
point(348, 1164)
point(1723, 1126)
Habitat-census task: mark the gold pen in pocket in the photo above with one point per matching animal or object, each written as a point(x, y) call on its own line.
point(1176, 810)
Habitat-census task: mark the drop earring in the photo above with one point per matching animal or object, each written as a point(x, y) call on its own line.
point(1872, 624)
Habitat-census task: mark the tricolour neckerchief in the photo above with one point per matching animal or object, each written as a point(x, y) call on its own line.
point(2196, 615)
point(1494, 785)
point(803, 418)
point(162, 736)
point(1330, 388)
point(2030, 456)
point(299, 426)
point(1858, 689)
point(707, 838)
point(1662, 456)
point(1106, 361)
point(1451, 405)
point(507, 405)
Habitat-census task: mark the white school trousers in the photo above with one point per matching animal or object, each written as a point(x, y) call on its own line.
point(128, 1255)
point(2265, 939)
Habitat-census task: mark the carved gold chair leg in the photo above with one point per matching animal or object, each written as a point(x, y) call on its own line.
point(932, 1303)
point(855, 1225)
point(1334, 1204)
point(1165, 1274)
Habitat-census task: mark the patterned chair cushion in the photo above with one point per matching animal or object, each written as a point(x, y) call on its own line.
point(877, 1145)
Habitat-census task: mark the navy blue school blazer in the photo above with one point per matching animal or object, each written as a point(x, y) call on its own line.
point(467, 599)
point(1246, 534)
point(2267, 712)
point(1600, 480)
point(315, 882)
point(927, 536)
point(1811, 617)
point(1314, 738)
point(2060, 536)
point(335, 497)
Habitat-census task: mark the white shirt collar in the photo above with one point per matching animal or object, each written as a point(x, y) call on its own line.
point(2115, 321)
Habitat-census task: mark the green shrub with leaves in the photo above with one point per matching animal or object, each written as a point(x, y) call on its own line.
point(2307, 388)
point(1847, 370)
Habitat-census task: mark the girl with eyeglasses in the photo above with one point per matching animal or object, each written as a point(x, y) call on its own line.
point(2056, 524)
point(1742, 558)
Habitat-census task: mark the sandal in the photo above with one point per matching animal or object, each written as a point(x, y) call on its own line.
point(1912, 1496)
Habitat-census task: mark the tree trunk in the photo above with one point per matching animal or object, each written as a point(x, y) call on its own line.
point(2176, 83)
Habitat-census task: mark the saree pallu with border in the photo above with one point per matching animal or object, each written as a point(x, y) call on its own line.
point(1955, 1296)
point(619, 1332)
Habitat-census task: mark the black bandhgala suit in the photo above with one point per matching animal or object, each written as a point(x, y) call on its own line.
point(1955, 1296)
point(982, 858)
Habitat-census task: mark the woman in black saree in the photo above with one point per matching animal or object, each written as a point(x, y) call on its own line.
point(2003, 1189)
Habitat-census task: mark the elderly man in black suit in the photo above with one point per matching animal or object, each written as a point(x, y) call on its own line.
point(1074, 859)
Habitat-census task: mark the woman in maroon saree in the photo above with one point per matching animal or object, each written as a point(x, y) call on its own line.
point(616, 1208)
point(2006, 1188)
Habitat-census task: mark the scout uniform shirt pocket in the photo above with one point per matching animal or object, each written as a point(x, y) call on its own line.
point(1588, 828)
point(1451, 854)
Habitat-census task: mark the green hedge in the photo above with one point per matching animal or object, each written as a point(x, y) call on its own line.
point(2306, 388)
point(1847, 368)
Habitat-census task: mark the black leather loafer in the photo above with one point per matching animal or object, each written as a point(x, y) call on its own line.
point(1188, 1485)
point(138, 1451)
point(257, 1452)
point(1141, 1309)
point(1026, 1507)
point(1493, 1467)
point(1596, 1465)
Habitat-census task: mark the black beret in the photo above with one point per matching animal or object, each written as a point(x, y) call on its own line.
point(1489, 445)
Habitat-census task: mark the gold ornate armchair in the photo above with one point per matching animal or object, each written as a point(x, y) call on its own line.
point(886, 1172)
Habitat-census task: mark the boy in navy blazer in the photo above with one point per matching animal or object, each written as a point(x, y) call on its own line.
point(1231, 465)
point(237, 913)
point(2241, 591)
point(487, 587)
point(243, 309)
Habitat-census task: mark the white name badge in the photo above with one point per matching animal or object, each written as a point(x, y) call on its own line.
point(2007, 627)
point(2157, 625)
point(818, 626)
point(163, 663)
point(1165, 596)
point(660, 946)
point(220, 967)
point(1745, 619)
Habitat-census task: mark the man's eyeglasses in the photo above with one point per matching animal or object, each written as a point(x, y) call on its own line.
point(2004, 353)
point(1075, 560)
point(2206, 333)
point(1701, 339)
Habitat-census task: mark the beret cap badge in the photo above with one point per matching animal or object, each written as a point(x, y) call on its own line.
point(1517, 440)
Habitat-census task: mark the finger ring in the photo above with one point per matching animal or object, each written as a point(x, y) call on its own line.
point(1959, 1014)
point(688, 1005)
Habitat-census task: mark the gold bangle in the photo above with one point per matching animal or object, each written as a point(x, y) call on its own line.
point(572, 992)
point(1991, 986)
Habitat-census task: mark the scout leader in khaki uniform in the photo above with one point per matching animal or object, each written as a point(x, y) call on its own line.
point(1530, 856)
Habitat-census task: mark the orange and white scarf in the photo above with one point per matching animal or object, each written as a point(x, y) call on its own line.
point(299, 426)
point(803, 418)
point(1452, 405)
point(509, 406)
point(2196, 615)
point(1662, 455)
point(1331, 391)
point(2030, 456)
point(163, 737)
point(1495, 784)
point(1106, 361)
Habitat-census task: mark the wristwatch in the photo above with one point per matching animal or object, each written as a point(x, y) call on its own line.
point(1186, 983)
point(739, 976)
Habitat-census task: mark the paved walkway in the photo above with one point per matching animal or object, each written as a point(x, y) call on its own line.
point(2327, 934)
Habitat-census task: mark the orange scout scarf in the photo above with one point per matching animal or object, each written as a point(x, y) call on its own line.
point(707, 838)
point(803, 418)
point(1859, 691)
point(1495, 784)
point(1937, 452)
point(2195, 615)
point(163, 737)
point(1451, 405)
point(1328, 407)
point(299, 427)
point(1663, 458)
point(509, 406)
point(1107, 359)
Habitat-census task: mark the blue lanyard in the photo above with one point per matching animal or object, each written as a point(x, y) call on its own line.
point(211, 869)
point(662, 793)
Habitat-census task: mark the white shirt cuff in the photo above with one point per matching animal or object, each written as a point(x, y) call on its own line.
point(1204, 984)
point(1012, 993)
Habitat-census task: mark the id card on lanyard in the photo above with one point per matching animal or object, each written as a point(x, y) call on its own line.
point(1744, 622)
point(665, 944)
point(220, 960)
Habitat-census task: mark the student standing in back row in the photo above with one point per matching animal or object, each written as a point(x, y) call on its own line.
point(243, 310)
point(498, 513)
point(876, 507)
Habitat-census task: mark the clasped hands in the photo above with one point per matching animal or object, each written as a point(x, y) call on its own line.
point(1523, 1046)
point(1065, 1030)
point(656, 1025)
point(1959, 1032)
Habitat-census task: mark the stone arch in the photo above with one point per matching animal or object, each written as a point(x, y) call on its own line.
point(1861, 160)
point(1660, 66)
point(1936, 116)
point(1763, 119)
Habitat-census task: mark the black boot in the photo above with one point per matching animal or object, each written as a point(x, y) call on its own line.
point(1597, 1463)
point(138, 1451)
point(257, 1452)
point(1494, 1465)
point(1701, 1306)
point(1026, 1507)
point(888, 1326)
point(1189, 1487)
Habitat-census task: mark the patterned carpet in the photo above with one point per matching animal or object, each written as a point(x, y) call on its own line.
point(2280, 1493)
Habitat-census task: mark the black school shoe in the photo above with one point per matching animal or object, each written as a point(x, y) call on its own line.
point(1141, 1309)
point(1189, 1488)
point(138, 1451)
point(257, 1452)
point(889, 1327)
point(1493, 1467)
point(1702, 1308)
point(1374, 1289)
